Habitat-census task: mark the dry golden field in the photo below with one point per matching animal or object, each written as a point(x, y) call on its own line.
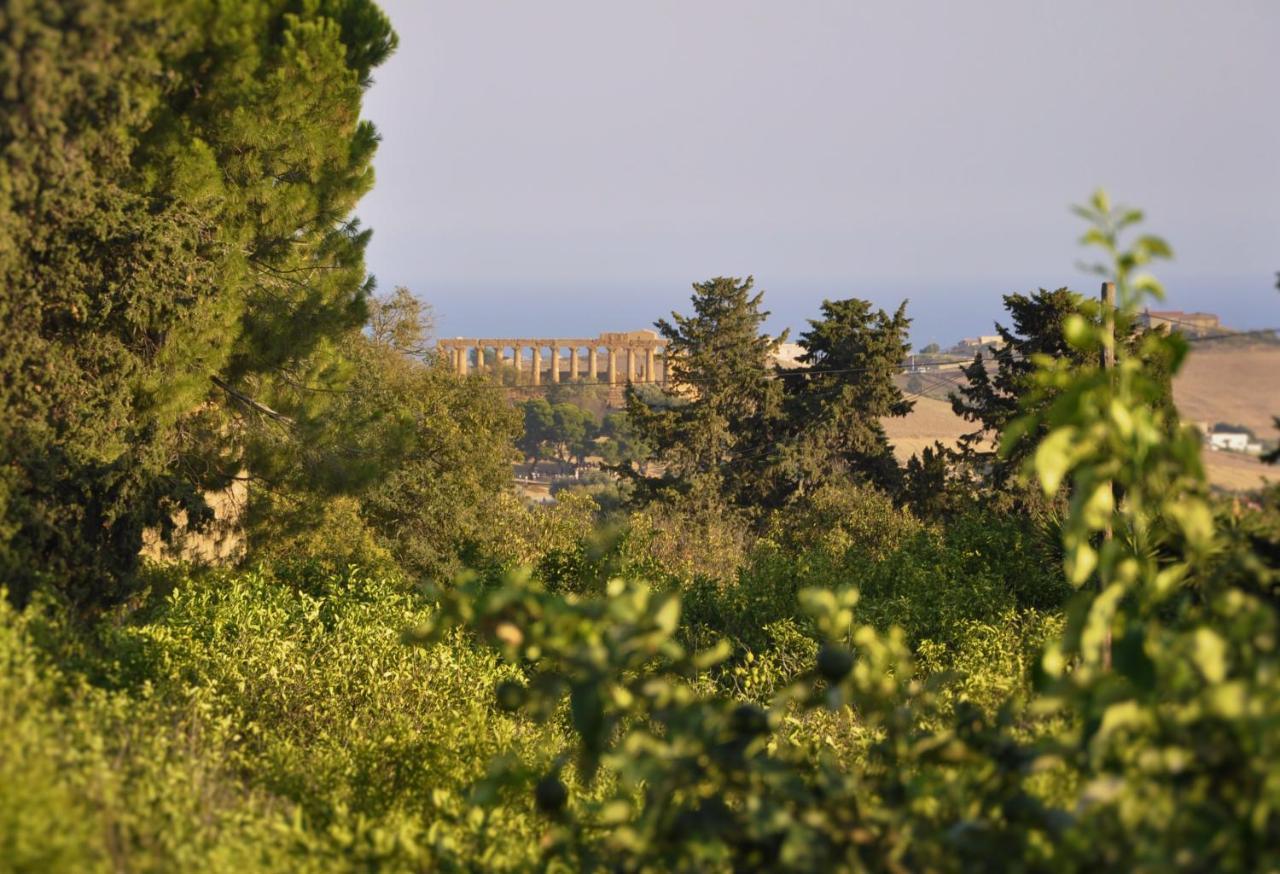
point(1228, 383)
point(1239, 385)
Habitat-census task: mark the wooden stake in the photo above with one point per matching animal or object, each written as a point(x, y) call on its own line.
point(1108, 296)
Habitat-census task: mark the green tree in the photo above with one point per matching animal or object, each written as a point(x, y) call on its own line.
point(574, 431)
point(401, 323)
point(835, 402)
point(420, 454)
point(996, 385)
point(712, 427)
point(622, 445)
point(996, 390)
point(111, 297)
point(539, 430)
point(175, 192)
point(934, 484)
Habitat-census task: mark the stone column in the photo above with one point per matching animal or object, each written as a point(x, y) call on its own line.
point(648, 365)
point(613, 366)
point(462, 360)
point(631, 364)
point(573, 362)
point(517, 361)
point(593, 373)
point(537, 365)
point(555, 363)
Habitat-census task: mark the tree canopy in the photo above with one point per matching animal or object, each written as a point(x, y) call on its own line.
point(178, 256)
point(735, 425)
point(844, 388)
point(712, 427)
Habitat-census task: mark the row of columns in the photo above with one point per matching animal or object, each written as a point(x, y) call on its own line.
point(461, 351)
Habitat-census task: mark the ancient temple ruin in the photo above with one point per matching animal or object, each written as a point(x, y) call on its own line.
point(612, 358)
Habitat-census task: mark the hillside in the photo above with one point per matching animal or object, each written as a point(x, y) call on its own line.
point(1237, 384)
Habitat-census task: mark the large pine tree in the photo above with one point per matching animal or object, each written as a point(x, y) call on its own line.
point(997, 389)
point(995, 386)
point(176, 255)
point(713, 429)
point(836, 400)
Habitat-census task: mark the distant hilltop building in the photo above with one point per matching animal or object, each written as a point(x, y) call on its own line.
point(1177, 320)
point(993, 341)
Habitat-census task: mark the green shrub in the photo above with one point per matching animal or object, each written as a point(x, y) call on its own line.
point(93, 779)
point(838, 517)
point(246, 723)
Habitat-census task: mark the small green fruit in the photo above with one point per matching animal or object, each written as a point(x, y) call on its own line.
point(550, 794)
point(834, 663)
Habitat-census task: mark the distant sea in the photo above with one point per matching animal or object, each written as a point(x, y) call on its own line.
point(942, 311)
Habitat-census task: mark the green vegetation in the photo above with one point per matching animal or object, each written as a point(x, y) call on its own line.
point(735, 429)
point(750, 641)
point(177, 260)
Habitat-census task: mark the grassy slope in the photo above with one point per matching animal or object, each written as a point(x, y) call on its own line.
point(1237, 384)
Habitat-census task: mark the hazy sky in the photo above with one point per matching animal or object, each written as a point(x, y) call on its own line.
point(571, 166)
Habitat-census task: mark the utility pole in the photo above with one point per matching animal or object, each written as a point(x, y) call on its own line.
point(1108, 364)
point(1109, 325)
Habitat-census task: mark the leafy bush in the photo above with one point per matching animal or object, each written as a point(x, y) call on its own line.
point(838, 517)
point(244, 723)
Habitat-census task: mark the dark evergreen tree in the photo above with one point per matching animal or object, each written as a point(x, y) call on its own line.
point(996, 382)
point(836, 401)
point(713, 430)
point(176, 255)
point(623, 445)
point(998, 385)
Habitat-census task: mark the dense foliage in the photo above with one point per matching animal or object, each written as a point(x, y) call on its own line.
point(175, 191)
point(735, 429)
point(757, 644)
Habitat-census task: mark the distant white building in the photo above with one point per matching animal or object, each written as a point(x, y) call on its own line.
point(1229, 440)
point(993, 341)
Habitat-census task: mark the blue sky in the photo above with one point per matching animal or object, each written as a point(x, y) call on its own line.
point(571, 166)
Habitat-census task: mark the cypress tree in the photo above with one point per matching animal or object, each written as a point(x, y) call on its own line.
point(713, 428)
point(845, 387)
point(991, 396)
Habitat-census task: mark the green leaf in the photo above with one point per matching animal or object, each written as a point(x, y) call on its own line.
point(1080, 563)
point(1154, 246)
point(1209, 653)
point(667, 616)
point(712, 656)
point(1053, 458)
